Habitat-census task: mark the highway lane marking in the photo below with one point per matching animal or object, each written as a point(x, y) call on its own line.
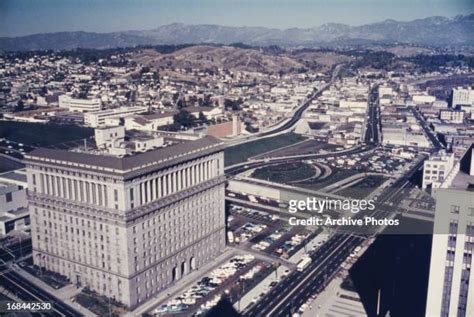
point(309, 275)
point(319, 283)
point(319, 253)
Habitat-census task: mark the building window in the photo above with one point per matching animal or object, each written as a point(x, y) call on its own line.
point(471, 212)
point(8, 197)
point(455, 209)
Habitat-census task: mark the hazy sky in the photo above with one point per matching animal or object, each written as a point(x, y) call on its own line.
point(21, 17)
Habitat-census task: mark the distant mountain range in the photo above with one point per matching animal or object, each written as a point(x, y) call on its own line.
point(437, 31)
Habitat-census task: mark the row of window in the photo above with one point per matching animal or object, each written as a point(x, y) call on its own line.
point(73, 189)
point(152, 189)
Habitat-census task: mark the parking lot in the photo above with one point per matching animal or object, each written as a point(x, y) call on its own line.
point(231, 278)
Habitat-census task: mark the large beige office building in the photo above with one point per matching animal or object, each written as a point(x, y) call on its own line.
point(127, 226)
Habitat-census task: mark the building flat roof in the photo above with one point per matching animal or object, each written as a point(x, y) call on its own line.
point(6, 188)
point(158, 115)
point(131, 165)
point(14, 176)
point(463, 181)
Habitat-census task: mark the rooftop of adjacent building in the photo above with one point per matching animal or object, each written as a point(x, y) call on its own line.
point(88, 156)
point(464, 178)
point(14, 176)
point(441, 156)
point(6, 188)
point(463, 181)
point(13, 214)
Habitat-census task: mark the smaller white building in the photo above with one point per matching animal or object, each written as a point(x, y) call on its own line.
point(209, 112)
point(13, 208)
point(101, 118)
point(150, 122)
point(420, 99)
point(453, 116)
point(79, 105)
point(436, 168)
point(353, 104)
point(385, 91)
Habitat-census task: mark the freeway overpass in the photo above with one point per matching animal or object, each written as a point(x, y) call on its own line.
point(245, 166)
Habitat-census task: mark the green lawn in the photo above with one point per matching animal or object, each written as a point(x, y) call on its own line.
point(363, 188)
point(284, 173)
point(40, 134)
point(336, 175)
point(240, 153)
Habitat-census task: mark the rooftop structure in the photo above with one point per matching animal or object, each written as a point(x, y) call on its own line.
point(101, 118)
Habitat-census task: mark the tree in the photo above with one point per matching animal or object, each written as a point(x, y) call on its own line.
point(175, 97)
point(181, 104)
point(145, 69)
point(19, 106)
point(202, 118)
point(233, 104)
point(184, 119)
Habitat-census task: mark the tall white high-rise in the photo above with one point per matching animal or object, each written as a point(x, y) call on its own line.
point(451, 285)
point(463, 97)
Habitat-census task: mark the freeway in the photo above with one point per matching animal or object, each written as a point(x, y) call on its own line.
point(288, 125)
point(297, 287)
point(372, 135)
point(299, 112)
point(373, 123)
point(242, 167)
point(28, 292)
point(434, 140)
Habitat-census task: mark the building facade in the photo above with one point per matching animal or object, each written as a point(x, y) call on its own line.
point(462, 96)
point(451, 290)
point(225, 129)
point(127, 227)
point(99, 118)
point(453, 116)
point(149, 122)
point(13, 207)
point(79, 105)
point(436, 169)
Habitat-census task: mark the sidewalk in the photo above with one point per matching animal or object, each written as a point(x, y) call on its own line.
point(64, 294)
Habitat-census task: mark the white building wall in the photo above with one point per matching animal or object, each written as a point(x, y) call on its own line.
point(448, 200)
